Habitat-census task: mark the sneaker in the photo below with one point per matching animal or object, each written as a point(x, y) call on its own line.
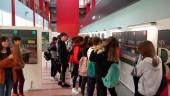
point(79, 89)
point(65, 85)
point(74, 91)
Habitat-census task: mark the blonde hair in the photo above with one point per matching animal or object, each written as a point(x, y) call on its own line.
point(111, 47)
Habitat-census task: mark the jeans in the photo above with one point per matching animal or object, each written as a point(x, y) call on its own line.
point(5, 89)
point(90, 86)
point(63, 72)
point(75, 75)
point(83, 84)
point(19, 83)
point(55, 67)
point(102, 90)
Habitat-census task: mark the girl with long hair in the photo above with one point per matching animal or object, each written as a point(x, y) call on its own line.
point(149, 69)
point(104, 55)
point(7, 72)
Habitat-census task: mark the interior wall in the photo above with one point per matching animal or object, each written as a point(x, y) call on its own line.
point(5, 13)
point(38, 20)
point(24, 15)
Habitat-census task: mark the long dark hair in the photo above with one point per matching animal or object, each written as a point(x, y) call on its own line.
point(2, 39)
point(111, 47)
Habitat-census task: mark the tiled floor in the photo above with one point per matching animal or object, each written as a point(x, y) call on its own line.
point(51, 88)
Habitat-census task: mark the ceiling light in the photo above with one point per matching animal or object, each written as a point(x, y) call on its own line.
point(94, 17)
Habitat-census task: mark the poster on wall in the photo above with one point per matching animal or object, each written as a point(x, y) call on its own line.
point(164, 46)
point(129, 42)
point(45, 41)
point(28, 44)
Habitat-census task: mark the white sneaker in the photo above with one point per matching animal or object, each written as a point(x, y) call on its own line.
point(74, 91)
point(79, 89)
point(58, 75)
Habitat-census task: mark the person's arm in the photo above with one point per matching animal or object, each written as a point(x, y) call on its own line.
point(140, 68)
point(7, 62)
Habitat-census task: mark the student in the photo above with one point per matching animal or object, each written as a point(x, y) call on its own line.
point(91, 79)
point(76, 51)
point(19, 84)
point(55, 65)
point(149, 69)
point(83, 63)
point(104, 55)
point(7, 72)
point(63, 58)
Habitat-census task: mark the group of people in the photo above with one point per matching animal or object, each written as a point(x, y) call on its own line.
point(76, 54)
point(11, 67)
point(90, 59)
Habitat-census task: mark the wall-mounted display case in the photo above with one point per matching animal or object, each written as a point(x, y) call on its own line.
point(29, 43)
point(129, 42)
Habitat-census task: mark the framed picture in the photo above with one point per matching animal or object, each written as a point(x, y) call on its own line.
point(28, 44)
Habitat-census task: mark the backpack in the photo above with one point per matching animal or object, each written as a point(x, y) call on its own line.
point(112, 77)
point(164, 83)
point(47, 55)
point(91, 69)
point(83, 66)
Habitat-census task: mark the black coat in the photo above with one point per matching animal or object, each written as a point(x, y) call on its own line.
point(63, 52)
point(102, 65)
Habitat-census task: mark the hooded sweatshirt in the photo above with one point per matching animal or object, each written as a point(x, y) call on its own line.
point(151, 76)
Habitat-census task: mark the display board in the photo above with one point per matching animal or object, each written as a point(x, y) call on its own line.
point(129, 42)
point(29, 43)
point(45, 41)
point(164, 45)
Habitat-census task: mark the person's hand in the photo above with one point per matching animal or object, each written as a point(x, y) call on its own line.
point(10, 56)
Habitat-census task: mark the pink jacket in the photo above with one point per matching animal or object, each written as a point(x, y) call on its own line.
point(83, 63)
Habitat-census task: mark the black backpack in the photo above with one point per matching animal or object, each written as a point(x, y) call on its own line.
point(47, 55)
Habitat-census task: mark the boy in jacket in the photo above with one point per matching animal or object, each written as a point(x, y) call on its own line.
point(19, 68)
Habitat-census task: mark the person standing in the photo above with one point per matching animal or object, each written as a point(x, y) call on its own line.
point(76, 51)
point(91, 82)
point(19, 68)
point(7, 72)
point(104, 55)
point(149, 70)
point(63, 58)
point(55, 65)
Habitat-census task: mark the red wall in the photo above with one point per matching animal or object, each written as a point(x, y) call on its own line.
point(67, 17)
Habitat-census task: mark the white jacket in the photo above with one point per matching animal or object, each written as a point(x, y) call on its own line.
point(150, 76)
point(89, 52)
